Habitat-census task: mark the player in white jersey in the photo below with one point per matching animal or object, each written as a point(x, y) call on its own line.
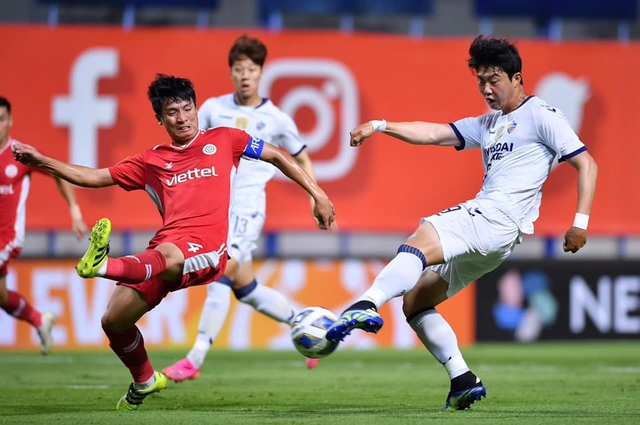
point(247, 110)
point(454, 247)
point(15, 180)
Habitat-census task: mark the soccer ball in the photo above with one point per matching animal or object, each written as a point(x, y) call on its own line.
point(308, 332)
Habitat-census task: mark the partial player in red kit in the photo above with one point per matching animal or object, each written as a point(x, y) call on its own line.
point(15, 179)
point(190, 181)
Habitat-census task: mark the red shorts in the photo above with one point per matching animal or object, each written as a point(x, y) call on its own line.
point(5, 257)
point(204, 262)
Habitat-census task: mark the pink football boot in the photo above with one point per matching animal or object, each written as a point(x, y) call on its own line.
point(181, 371)
point(311, 363)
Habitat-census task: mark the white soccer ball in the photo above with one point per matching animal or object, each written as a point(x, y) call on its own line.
point(308, 332)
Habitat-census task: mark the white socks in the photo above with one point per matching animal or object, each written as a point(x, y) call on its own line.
point(216, 308)
point(213, 316)
point(438, 337)
point(103, 269)
point(141, 386)
point(271, 303)
point(397, 278)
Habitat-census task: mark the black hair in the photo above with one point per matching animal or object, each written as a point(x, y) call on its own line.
point(252, 48)
point(494, 52)
point(167, 88)
point(4, 102)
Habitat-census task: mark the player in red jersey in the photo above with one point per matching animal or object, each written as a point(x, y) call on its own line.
point(190, 181)
point(15, 179)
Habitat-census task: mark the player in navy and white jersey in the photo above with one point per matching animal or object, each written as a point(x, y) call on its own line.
point(190, 181)
point(15, 181)
point(519, 143)
point(247, 110)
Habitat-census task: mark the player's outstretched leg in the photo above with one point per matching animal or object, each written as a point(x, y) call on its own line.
point(181, 370)
point(96, 254)
point(361, 315)
point(271, 303)
point(44, 332)
point(465, 390)
point(134, 398)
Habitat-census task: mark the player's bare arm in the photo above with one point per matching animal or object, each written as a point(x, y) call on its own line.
point(323, 208)
point(76, 174)
point(304, 160)
point(415, 133)
point(77, 223)
point(576, 236)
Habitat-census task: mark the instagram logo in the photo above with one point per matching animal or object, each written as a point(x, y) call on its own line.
point(321, 95)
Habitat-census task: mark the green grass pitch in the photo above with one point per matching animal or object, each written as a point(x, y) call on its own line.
point(543, 383)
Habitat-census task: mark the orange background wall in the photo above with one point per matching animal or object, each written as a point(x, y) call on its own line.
point(383, 186)
point(54, 286)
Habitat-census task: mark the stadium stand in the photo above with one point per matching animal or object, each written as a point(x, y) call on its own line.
point(129, 8)
point(549, 14)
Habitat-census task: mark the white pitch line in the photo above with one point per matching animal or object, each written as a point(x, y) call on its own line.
point(518, 367)
point(619, 369)
point(87, 387)
point(55, 359)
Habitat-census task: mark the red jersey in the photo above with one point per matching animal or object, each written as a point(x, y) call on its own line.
point(15, 179)
point(190, 185)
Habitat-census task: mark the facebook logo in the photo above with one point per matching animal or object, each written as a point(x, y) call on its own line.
point(83, 110)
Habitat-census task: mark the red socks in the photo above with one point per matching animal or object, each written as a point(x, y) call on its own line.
point(19, 308)
point(136, 268)
point(129, 347)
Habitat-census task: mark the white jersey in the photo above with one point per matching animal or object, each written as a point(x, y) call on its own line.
point(266, 122)
point(518, 150)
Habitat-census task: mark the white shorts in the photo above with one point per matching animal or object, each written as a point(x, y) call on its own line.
point(245, 225)
point(476, 238)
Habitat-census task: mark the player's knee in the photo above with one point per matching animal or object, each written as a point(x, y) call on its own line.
point(222, 280)
point(107, 322)
point(410, 312)
point(110, 322)
point(406, 248)
point(245, 290)
point(174, 266)
point(426, 240)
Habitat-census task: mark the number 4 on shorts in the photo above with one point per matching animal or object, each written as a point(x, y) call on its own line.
point(194, 247)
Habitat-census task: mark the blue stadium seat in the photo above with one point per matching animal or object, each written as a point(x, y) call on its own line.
point(585, 9)
point(154, 3)
point(129, 8)
point(416, 9)
point(272, 11)
point(548, 13)
point(393, 7)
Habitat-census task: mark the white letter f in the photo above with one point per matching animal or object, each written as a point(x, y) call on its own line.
point(83, 111)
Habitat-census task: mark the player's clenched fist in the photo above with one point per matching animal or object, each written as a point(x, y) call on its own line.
point(324, 213)
point(574, 239)
point(26, 154)
point(361, 132)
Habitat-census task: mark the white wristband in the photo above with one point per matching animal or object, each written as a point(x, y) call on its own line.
point(581, 221)
point(379, 125)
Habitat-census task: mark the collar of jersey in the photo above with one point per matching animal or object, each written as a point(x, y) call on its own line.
point(189, 142)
